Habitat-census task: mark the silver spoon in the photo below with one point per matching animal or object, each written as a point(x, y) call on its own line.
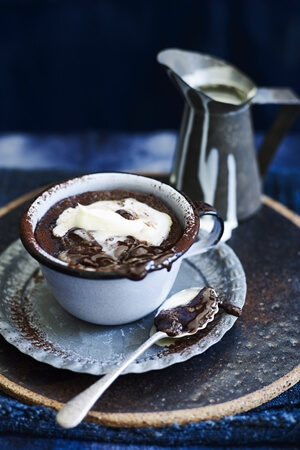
point(183, 314)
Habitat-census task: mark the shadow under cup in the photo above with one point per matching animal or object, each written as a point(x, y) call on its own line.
point(108, 298)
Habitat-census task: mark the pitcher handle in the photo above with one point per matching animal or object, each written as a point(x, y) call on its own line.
point(287, 114)
point(212, 237)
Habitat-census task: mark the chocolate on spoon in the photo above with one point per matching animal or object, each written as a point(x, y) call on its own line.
point(188, 318)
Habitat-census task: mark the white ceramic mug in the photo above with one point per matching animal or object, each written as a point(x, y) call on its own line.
point(115, 300)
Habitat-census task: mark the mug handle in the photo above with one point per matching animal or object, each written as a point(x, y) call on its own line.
point(211, 238)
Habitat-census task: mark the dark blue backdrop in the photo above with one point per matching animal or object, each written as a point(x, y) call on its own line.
point(91, 64)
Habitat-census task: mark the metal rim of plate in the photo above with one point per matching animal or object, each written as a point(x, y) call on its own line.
point(33, 321)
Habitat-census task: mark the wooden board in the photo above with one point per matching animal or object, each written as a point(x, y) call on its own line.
point(256, 361)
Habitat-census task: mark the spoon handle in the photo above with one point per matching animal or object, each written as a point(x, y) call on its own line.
point(76, 409)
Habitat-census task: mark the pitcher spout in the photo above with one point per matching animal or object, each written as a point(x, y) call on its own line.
point(210, 78)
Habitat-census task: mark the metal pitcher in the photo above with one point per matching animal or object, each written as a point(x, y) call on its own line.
point(215, 159)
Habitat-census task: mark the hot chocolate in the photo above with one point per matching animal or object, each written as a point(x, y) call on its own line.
point(111, 231)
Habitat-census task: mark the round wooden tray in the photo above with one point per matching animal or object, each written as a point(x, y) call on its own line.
point(256, 360)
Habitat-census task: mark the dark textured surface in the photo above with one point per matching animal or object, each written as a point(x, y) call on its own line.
point(262, 346)
point(273, 425)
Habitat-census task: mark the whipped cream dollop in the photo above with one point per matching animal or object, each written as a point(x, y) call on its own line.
point(109, 219)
